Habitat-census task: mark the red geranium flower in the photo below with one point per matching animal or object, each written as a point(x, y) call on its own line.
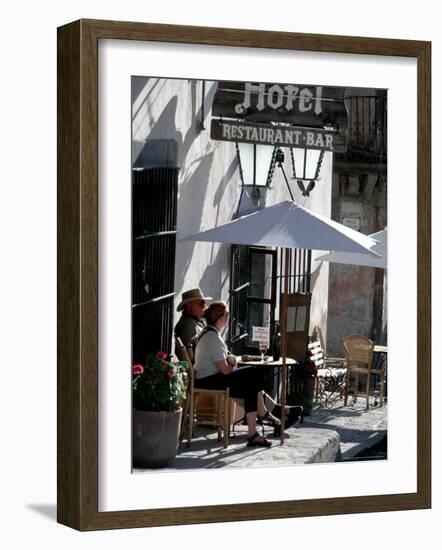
point(138, 369)
point(162, 384)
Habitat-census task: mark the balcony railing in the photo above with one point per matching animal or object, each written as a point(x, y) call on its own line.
point(367, 127)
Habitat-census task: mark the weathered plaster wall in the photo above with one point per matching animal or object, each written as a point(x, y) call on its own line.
point(357, 293)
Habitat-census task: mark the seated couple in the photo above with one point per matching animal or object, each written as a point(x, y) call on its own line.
point(215, 367)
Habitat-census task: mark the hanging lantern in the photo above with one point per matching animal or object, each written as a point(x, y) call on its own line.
point(254, 163)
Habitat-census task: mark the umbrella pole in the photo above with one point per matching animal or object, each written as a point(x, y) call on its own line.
point(284, 343)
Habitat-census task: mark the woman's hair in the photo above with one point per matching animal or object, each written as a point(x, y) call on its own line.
point(213, 312)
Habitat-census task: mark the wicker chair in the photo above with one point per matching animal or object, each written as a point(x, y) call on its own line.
point(217, 415)
point(359, 359)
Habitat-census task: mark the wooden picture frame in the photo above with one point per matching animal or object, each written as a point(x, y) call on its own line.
point(78, 274)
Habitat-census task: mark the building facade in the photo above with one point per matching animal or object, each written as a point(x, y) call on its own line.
point(357, 301)
point(185, 182)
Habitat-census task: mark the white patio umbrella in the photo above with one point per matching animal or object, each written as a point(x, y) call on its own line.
point(362, 259)
point(288, 225)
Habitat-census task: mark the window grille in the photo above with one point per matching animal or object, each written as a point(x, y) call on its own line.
point(256, 286)
point(154, 211)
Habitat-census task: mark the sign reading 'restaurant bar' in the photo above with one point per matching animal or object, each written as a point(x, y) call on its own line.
point(284, 136)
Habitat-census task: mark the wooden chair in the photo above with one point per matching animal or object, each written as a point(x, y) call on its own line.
point(217, 415)
point(359, 359)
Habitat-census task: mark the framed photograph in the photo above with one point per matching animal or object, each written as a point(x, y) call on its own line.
point(167, 133)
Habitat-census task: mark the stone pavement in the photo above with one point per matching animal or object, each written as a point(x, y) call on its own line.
point(358, 428)
point(328, 435)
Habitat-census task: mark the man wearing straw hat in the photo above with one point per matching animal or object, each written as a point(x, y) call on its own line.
point(192, 305)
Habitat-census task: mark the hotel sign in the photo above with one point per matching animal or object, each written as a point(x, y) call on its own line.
point(284, 136)
point(298, 104)
point(309, 116)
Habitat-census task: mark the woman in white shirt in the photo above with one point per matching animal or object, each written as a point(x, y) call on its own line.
point(215, 368)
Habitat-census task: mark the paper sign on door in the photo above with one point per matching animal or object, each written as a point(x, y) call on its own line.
point(260, 334)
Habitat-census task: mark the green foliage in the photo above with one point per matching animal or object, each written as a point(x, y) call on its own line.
point(160, 385)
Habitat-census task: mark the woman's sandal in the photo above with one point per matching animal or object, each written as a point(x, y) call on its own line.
point(270, 420)
point(254, 442)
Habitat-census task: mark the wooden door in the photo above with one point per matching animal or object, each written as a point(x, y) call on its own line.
point(298, 321)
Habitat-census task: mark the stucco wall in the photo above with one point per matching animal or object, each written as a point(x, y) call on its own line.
point(357, 293)
point(209, 183)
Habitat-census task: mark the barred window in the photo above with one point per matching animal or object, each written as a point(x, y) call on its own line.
point(256, 283)
point(154, 212)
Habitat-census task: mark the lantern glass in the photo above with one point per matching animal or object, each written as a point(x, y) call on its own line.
point(246, 155)
point(263, 160)
point(255, 163)
point(306, 161)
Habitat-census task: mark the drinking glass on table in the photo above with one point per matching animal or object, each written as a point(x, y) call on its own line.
point(262, 349)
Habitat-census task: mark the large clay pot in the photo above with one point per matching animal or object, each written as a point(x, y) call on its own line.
point(308, 393)
point(155, 438)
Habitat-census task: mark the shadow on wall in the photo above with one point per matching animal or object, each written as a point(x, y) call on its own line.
point(143, 119)
point(192, 201)
point(190, 210)
point(224, 181)
point(164, 127)
point(142, 153)
point(197, 115)
point(214, 276)
point(194, 176)
point(141, 89)
point(315, 273)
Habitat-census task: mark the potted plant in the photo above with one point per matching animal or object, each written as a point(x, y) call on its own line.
point(158, 391)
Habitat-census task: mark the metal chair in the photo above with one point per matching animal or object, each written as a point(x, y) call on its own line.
point(359, 360)
point(336, 362)
point(331, 377)
point(217, 415)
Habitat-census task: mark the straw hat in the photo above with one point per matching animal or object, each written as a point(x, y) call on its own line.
point(190, 296)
